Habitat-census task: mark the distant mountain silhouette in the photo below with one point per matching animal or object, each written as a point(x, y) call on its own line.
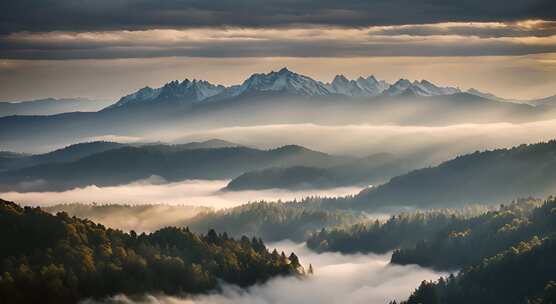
point(171, 162)
point(374, 169)
point(49, 106)
point(67, 154)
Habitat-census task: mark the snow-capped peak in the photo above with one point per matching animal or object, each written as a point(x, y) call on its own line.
point(431, 89)
point(185, 92)
point(398, 87)
point(419, 88)
point(342, 85)
point(362, 87)
point(282, 81)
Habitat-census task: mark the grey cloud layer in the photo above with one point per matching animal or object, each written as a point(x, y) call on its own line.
point(48, 15)
point(445, 39)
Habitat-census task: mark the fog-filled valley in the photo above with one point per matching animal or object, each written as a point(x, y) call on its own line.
point(155, 190)
point(340, 278)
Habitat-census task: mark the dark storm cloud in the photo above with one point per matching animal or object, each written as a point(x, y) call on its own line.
point(91, 15)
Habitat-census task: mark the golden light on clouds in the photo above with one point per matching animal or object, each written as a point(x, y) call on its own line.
point(448, 31)
point(511, 59)
point(523, 77)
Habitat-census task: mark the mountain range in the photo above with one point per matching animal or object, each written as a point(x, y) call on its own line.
point(278, 97)
point(283, 81)
point(289, 82)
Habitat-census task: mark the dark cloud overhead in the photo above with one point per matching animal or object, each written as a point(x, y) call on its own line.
point(90, 15)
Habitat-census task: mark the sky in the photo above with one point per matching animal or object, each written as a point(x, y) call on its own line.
point(104, 49)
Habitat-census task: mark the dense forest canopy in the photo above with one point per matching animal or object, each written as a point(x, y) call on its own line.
point(524, 273)
point(63, 259)
point(506, 255)
point(469, 241)
point(140, 218)
point(402, 230)
point(445, 239)
point(271, 221)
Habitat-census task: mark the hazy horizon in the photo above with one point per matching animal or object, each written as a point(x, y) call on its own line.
point(502, 76)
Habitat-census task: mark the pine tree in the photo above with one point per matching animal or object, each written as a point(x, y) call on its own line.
point(294, 259)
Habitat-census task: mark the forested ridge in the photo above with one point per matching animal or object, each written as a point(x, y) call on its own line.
point(373, 169)
point(524, 273)
point(495, 176)
point(171, 162)
point(469, 241)
point(444, 239)
point(273, 221)
point(399, 231)
point(63, 259)
point(506, 255)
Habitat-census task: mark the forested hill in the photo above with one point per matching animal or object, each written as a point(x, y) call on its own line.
point(270, 221)
point(60, 259)
point(374, 169)
point(171, 162)
point(445, 239)
point(482, 177)
point(466, 242)
point(525, 273)
point(506, 256)
point(273, 221)
point(67, 154)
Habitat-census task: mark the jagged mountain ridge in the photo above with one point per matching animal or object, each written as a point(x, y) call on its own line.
point(174, 91)
point(282, 81)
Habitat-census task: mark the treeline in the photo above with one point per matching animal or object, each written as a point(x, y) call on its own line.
point(486, 177)
point(141, 218)
point(273, 221)
point(507, 255)
point(47, 258)
point(399, 231)
point(524, 273)
point(467, 242)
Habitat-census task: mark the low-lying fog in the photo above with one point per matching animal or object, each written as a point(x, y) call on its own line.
point(430, 143)
point(190, 192)
point(338, 279)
